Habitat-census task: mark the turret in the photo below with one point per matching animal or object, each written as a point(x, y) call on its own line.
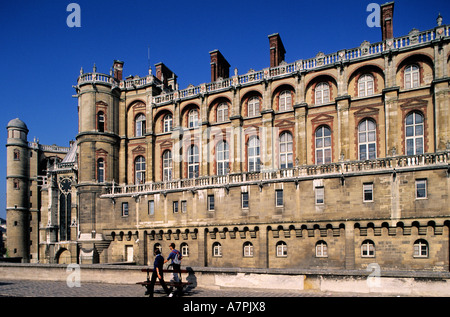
point(17, 190)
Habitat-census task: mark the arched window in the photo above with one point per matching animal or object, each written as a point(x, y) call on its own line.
point(217, 249)
point(193, 118)
point(248, 249)
point(184, 249)
point(421, 249)
point(139, 168)
point(323, 145)
point(253, 107)
point(193, 161)
point(286, 150)
point(101, 121)
point(222, 112)
point(367, 140)
point(222, 158)
point(281, 249)
point(139, 125)
point(157, 246)
point(365, 85)
point(167, 123)
point(100, 170)
point(411, 76)
point(414, 133)
point(322, 93)
point(167, 166)
point(321, 249)
point(368, 249)
point(253, 154)
point(285, 101)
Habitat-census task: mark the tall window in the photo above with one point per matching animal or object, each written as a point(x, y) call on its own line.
point(368, 192)
point(248, 249)
point(217, 249)
point(411, 76)
point(167, 166)
point(319, 195)
point(222, 158)
point(167, 123)
point(210, 202)
point(244, 200)
point(279, 198)
point(193, 161)
point(253, 154)
point(222, 112)
point(125, 209)
point(101, 121)
point(285, 101)
point(365, 85)
point(414, 133)
point(367, 140)
point(100, 170)
point(421, 188)
point(286, 150)
point(322, 93)
point(253, 107)
point(140, 125)
point(193, 118)
point(139, 167)
point(323, 145)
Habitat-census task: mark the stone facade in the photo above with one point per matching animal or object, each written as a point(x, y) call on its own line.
point(338, 162)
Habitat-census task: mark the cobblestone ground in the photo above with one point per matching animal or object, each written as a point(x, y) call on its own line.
point(22, 288)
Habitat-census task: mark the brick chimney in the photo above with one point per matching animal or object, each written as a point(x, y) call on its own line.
point(166, 76)
point(386, 20)
point(277, 50)
point(118, 69)
point(220, 68)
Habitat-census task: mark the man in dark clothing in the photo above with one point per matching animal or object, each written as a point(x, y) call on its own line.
point(157, 273)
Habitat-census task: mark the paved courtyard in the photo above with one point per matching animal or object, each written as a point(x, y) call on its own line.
point(24, 288)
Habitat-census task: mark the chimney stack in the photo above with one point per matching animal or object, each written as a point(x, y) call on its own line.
point(277, 50)
point(386, 20)
point(118, 69)
point(166, 76)
point(220, 68)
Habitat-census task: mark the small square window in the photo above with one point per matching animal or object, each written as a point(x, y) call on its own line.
point(320, 195)
point(210, 202)
point(244, 200)
point(421, 189)
point(125, 209)
point(368, 192)
point(279, 197)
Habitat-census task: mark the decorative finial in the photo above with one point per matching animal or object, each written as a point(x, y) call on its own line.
point(81, 71)
point(95, 68)
point(439, 19)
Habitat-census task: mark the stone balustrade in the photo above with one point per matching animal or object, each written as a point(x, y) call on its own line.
point(366, 49)
point(388, 164)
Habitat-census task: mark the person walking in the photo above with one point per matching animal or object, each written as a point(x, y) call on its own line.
point(176, 257)
point(157, 273)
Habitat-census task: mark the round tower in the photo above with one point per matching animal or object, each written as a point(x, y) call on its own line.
point(17, 190)
point(98, 142)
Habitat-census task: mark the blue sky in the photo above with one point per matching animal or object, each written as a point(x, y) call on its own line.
point(41, 56)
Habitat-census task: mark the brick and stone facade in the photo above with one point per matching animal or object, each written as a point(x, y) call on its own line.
point(338, 161)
